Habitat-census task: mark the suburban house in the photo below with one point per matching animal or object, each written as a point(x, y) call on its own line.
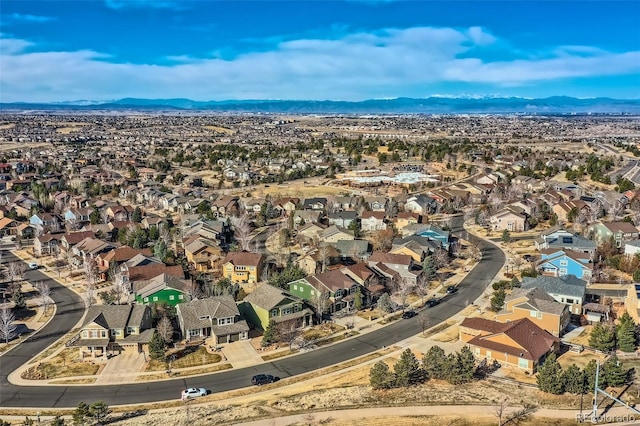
point(342, 219)
point(558, 263)
point(47, 244)
point(330, 291)
point(203, 254)
point(536, 305)
point(416, 246)
point(242, 267)
point(117, 328)
point(8, 226)
point(356, 250)
point(393, 266)
point(511, 218)
point(301, 217)
point(377, 204)
point(116, 257)
point(68, 241)
point(632, 248)
point(434, 233)
point(403, 219)
point(163, 288)
point(216, 317)
point(558, 238)
point(372, 221)
point(267, 303)
point(285, 206)
point(564, 210)
point(318, 203)
point(565, 289)
point(620, 232)
point(520, 343)
point(333, 234)
point(45, 221)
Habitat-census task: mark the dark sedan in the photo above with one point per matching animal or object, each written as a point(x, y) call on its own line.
point(262, 379)
point(452, 289)
point(409, 314)
point(433, 302)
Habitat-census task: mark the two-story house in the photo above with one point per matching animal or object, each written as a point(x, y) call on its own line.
point(342, 219)
point(421, 204)
point(558, 263)
point(566, 289)
point(163, 288)
point(333, 234)
point(213, 317)
point(267, 303)
point(203, 254)
point(316, 203)
point(511, 218)
point(244, 267)
point(620, 232)
point(372, 221)
point(45, 221)
point(69, 240)
point(559, 238)
point(393, 266)
point(329, 292)
point(115, 328)
point(535, 304)
point(435, 233)
point(416, 246)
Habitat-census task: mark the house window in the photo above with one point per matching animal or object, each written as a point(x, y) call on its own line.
point(286, 311)
point(223, 321)
point(488, 354)
point(563, 263)
point(533, 314)
point(131, 330)
point(562, 272)
point(570, 301)
point(180, 296)
point(171, 297)
point(146, 299)
point(155, 298)
point(476, 351)
point(116, 332)
point(295, 287)
point(539, 315)
point(274, 312)
point(195, 332)
point(523, 363)
point(103, 333)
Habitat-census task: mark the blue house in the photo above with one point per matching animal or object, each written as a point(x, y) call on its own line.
point(434, 233)
point(560, 263)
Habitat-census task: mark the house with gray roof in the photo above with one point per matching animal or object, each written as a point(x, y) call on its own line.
point(559, 238)
point(117, 328)
point(566, 289)
point(539, 307)
point(216, 317)
point(268, 303)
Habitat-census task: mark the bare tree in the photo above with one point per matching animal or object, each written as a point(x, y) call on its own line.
point(323, 253)
point(165, 329)
point(423, 320)
point(241, 231)
point(319, 302)
point(89, 295)
point(90, 270)
point(193, 290)
point(404, 286)
point(13, 271)
point(422, 286)
point(70, 258)
point(440, 258)
point(289, 332)
point(45, 291)
point(120, 288)
point(514, 417)
point(7, 323)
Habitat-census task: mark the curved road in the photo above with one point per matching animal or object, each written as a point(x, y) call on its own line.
point(70, 310)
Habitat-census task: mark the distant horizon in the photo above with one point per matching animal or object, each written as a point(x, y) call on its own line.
point(434, 96)
point(344, 50)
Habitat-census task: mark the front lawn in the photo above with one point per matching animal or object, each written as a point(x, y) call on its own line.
point(189, 357)
point(64, 364)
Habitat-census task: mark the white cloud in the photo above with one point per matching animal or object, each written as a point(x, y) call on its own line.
point(142, 4)
point(389, 62)
point(21, 17)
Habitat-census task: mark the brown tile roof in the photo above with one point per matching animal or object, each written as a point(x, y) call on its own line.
point(243, 258)
point(389, 258)
point(333, 280)
point(624, 227)
point(361, 270)
point(73, 238)
point(124, 253)
point(147, 272)
point(534, 342)
point(367, 214)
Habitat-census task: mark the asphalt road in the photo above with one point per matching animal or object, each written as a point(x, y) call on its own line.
point(70, 311)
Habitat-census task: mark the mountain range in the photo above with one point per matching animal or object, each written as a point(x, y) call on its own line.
point(431, 105)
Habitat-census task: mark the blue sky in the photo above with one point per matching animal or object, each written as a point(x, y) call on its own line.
point(348, 50)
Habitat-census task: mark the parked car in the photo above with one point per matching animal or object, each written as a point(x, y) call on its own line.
point(262, 379)
point(433, 302)
point(409, 314)
point(452, 289)
point(33, 265)
point(194, 393)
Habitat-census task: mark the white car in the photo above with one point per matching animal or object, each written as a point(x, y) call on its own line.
point(33, 265)
point(194, 393)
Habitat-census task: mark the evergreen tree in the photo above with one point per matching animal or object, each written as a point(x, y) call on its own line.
point(451, 369)
point(550, 376)
point(626, 334)
point(497, 300)
point(384, 303)
point(357, 299)
point(19, 300)
point(270, 335)
point(429, 268)
point(574, 380)
point(466, 365)
point(602, 338)
point(99, 411)
point(407, 370)
point(157, 346)
point(515, 282)
point(381, 377)
point(506, 236)
point(136, 216)
point(81, 414)
point(613, 372)
point(434, 363)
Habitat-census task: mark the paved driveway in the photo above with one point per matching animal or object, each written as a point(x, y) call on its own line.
point(121, 368)
point(241, 354)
